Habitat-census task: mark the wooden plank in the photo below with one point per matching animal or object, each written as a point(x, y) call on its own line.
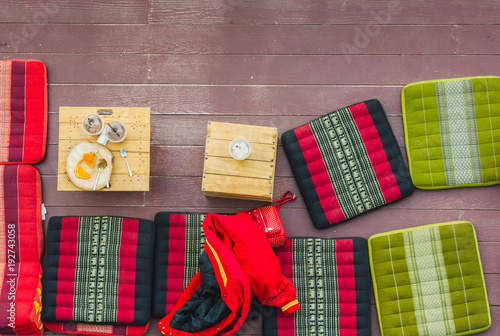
point(297, 221)
point(169, 161)
point(137, 144)
point(259, 152)
point(236, 39)
point(231, 131)
point(190, 130)
point(84, 11)
point(316, 70)
point(72, 130)
point(478, 198)
point(481, 39)
point(491, 250)
point(231, 167)
point(172, 130)
point(128, 115)
point(90, 68)
point(53, 197)
point(240, 187)
point(138, 148)
point(493, 288)
point(227, 99)
point(185, 191)
point(484, 219)
point(119, 181)
point(378, 12)
point(495, 327)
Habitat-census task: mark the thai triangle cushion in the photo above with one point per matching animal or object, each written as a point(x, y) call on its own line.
point(98, 270)
point(23, 111)
point(347, 162)
point(21, 248)
point(452, 133)
point(332, 279)
point(179, 243)
point(428, 280)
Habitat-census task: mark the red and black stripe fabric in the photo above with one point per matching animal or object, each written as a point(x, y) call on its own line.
point(346, 163)
point(23, 111)
point(179, 243)
point(74, 328)
point(21, 248)
point(98, 270)
point(333, 288)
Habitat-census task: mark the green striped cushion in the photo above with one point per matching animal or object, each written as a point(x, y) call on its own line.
point(428, 281)
point(452, 132)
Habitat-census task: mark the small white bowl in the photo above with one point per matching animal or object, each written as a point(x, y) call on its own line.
point(240, 149)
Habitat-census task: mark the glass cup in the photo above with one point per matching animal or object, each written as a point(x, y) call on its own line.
point(116, 131)
point(93, 124)
point(240, 149)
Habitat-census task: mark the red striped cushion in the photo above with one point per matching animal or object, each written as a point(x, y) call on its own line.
point(96, 329)
point(179, 243)
point(333, 288)
point(21, 247)
point(346, 163)
point(23, 111)
point(98, 270)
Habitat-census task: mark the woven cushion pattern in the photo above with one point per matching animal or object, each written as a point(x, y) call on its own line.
point(23, 111)
point(98, 270)
point(346, 163)
point(333, 287)
point(452, 132)
point(179, 244)
point(21, 248)
point(73, 328)
point(428, 280)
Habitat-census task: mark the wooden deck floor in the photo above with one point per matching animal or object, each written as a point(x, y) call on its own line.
point(270, 63)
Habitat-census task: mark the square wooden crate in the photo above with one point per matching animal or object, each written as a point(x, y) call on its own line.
point(252, 178)
point(137, 144)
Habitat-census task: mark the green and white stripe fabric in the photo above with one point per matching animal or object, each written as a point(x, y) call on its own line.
point(428, 281)
point(452, 132)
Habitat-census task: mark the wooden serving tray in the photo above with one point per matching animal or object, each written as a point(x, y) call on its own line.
point(137, 144)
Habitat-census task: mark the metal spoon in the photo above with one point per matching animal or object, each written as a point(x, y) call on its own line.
point(105, 164)
point(99, 173)
point(123, 152)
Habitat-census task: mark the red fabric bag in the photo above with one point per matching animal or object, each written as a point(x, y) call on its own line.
point(269, 219)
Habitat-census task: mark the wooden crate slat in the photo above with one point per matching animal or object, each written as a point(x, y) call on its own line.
point(260, 152)
point(142, 147)
point(237, 187)
point(254, 134)
point(245, 168)
point(118, 183)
